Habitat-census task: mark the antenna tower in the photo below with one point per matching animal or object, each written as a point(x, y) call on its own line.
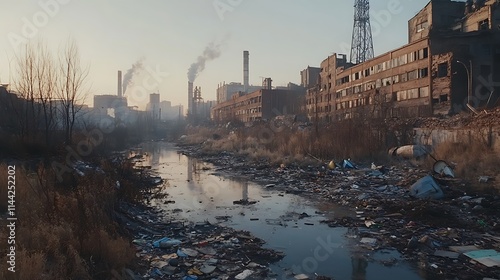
point(362, 42)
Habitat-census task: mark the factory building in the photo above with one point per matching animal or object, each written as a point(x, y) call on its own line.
point(449, 65)
point(263, 104)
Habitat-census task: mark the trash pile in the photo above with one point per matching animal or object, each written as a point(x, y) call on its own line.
point(421, 213)
point(188, 251)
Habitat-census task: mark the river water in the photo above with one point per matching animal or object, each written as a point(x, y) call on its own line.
point(287, 222)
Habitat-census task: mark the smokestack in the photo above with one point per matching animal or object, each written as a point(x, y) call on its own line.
point(245, 70)
point(120, 88)
point(190, 98)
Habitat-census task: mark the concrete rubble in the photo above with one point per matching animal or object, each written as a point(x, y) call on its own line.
point(181, 250)
point(428, 232)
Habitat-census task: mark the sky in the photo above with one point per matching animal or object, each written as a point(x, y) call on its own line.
point(167, 36)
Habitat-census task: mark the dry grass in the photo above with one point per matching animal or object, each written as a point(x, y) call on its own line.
point(471, 161)
point(63, 232)
point(287, 144)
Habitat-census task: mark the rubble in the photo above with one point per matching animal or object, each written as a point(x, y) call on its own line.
point(434, 234)
point(180, 250)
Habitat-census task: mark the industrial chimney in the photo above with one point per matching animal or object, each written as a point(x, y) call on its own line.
point(120, 88)
point(245, 70)
point(190, 98)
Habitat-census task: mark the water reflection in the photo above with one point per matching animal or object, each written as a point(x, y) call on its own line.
point(202, 196)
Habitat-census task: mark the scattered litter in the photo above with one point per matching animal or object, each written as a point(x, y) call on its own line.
point(207, 269)
point(301, 277)
point(442, 168)
point(409, 151)
point(166, 242)
point(463, 249)
point(244, 274)
point(446, 254)
point(426, 187)
point(369, 241)
point(331, 165)
point(348, 164)
point(484, 179)
point(488, 258)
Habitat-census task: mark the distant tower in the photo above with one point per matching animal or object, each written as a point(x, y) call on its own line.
point(362, 42)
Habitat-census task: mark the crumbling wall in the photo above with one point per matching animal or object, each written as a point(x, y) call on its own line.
point(489, 136)
point(441, 85)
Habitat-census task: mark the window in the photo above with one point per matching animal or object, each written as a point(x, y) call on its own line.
point(413, 75)
point(404, 77)
point(367, 72)
point(378, 83)
point(395, 79)
point(424, 92)
point(424, 72)
point(401, 95)
point(412, 56)
point(442, 70)
point(422, 26)
point(483, 25)
point(412, 93)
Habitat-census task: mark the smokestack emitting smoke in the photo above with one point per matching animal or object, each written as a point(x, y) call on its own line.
point(211, 52)
point(190, 97)
point(245, 70)
point(120, 92)
point(127, 78)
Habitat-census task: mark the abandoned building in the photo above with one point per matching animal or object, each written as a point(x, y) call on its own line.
point(263, 104)
point(450, 64)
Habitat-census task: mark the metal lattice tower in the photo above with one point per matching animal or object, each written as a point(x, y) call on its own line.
point(362, 42)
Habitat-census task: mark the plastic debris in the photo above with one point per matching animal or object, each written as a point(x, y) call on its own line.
point(166, 242)
point(488, 258)
point(331, 165)
point(426, 187)
point(348, 164)
point(409, 151)
point(442, 168)
point(244, 274)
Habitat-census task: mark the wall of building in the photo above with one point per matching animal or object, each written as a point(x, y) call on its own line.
point(259, 105)
point(309, 77)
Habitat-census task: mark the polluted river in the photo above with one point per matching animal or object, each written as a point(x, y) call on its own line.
point(199, 192)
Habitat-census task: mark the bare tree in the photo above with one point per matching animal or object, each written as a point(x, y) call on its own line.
point(25, 86)
point(46, 87)
point(35, 85)
point(72, 91)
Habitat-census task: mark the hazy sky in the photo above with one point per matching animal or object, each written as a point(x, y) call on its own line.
point(282, 36)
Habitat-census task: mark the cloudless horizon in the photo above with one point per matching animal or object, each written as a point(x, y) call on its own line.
point(282, 36)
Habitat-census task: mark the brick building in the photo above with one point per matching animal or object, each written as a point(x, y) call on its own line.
point(451, 60)
point(263, 104)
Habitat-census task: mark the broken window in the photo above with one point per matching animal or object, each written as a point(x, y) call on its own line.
point(442, 70)
point(422, 26)
point(484, 24)
point(424, 72)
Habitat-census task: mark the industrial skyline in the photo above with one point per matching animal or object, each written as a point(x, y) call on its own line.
point(170, 42)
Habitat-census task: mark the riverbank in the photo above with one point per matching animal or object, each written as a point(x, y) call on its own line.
point(433, 234)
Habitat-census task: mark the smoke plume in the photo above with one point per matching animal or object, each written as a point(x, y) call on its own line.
point(211, 52)
point(127, 78)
